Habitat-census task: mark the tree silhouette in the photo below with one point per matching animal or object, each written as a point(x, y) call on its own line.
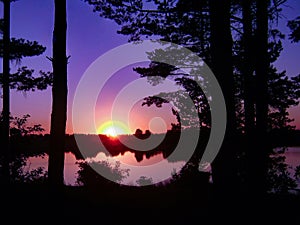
point(236, 42)
point(143, 181)
point(222, 66)
point(138, 133)
point(5, 86)
point(13, 49)
point(89, 173)
point(23, 79)
point(247, 71)
point(59, 97)
point(261, 66)
point(294, 26)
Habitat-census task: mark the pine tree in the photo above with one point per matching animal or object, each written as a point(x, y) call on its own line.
point(59, 97)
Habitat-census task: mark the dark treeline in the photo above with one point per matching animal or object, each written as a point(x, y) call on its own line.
point(240, 41)
point(35, 144)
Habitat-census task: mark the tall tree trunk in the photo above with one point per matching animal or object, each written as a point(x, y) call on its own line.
point(223, 170)
point(248, 68)
point(262, 66)
point(59, 97)
point(6, 97)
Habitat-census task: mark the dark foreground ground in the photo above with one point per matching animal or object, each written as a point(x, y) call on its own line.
point(32, 204)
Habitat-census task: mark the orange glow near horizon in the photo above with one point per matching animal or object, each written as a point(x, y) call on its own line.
point(113, 129)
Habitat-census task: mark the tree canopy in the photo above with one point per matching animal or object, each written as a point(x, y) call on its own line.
point(294, 26)
point(23, 79)
point(246, 54)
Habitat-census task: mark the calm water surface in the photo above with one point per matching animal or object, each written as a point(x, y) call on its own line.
point(129, 161)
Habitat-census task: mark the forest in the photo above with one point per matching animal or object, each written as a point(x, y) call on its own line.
point(249, 180)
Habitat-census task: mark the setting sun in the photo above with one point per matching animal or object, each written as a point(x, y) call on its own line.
point(113, 128)
point(111, 132)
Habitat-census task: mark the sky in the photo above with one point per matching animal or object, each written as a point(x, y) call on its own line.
point(89, 36)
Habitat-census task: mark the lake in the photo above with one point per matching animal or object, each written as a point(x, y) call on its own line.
point(292, 158)
point(137, 169)
point(128, 161)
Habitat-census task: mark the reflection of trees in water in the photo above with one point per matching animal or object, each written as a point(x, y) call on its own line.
point(115, 147)
point(20, 171)
point(143, 181)
point(90, 173)
point(188, 175)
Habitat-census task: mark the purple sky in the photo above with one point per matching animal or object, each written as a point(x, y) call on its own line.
point(89, 36)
